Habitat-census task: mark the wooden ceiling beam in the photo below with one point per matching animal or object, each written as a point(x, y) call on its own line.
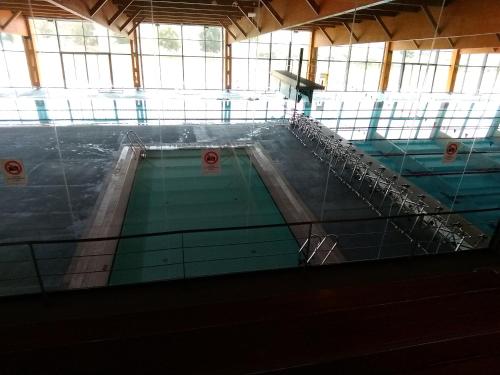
point(135, 25)
point(216, 4)
point(460, 25)
point(119, 12)
point(235, 23)
point(431, 19)
point(130, 19)
point(272, 11)
point(227, 29)
point(83, 9)
point(10, 20)
point(327, 36)
point(349, 30)
point(248, 18)
point(97, 7)
point(383, 26)
point(313, 5)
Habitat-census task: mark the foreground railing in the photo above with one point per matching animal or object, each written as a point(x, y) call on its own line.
point(45, 266)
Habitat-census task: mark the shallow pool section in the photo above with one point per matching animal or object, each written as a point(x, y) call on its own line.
point(173, 192)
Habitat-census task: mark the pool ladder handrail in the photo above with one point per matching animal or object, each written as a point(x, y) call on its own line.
point(318, 246)
point(136, 141)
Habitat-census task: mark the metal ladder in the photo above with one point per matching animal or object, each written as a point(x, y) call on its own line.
point(321, 240)
point(136, 141)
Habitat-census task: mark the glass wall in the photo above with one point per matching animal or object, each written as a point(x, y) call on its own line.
point(81, 54)
point(255, 59)
point(181, 57)
point(13, 66)
point(350, 68)
point(419, 71)
point(478, 74)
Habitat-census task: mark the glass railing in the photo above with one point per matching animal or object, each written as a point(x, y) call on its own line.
point(28, 267)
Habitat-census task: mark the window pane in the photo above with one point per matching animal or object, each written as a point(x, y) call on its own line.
point(122, 71)
point(11, 42)
point(97, 44)
point(336, 76)
point(195, 77)
point(282, 36)
point(168, 46)
point(50, 70)
point(193, 32)
point(151, 71)
point(46, 43)
point(119, 45)
point(239, 50)
point(70, 27)
point(240, 74)
point(194, 48)
point(72, 43)
point(98, 71)
point(93, 29)
point(214, 73)
point(44, 26)
point(17, 69)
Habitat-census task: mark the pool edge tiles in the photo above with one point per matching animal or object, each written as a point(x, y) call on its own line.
point(168, 191)
point(91, 265)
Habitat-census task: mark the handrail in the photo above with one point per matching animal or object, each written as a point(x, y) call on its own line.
point(132, 136)
point(322, 240)
point(165, 233)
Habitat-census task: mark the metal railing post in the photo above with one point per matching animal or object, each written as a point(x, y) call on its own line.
point(309, 242)
point(37, 271)
point(183, 261)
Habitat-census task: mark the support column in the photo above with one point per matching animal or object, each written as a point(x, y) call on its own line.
point(228, 63)
point(313, 59)
point(140, 108)
point(494, 125)
point(439, 120)
point(372, 127)
point(386, 68)
point(452, 73)
point(136, 67)
point(31, 59)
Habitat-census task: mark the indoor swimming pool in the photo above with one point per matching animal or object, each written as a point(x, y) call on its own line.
point(173, 192)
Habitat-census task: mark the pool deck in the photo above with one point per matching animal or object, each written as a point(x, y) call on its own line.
point(91, 265)
point(291, 206)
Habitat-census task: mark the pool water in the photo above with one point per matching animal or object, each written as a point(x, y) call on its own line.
point(479, 188)
point(173, 192)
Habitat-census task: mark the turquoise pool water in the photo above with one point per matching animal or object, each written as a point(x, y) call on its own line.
point(479, 188)
point(173, 192)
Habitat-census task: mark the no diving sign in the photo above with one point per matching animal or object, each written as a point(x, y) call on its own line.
point(13, 171)
point(450, 152)
point(210, 161)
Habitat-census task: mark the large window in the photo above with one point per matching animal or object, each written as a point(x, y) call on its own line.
point(254, 59)
point(13, 67)
point(419, 71)
point(350, 68)
point(478, 74)
point(181, 57)
point(81, 54)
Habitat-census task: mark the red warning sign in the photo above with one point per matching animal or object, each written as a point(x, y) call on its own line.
point(210, 160)
point(450, 152)
point(13, 171)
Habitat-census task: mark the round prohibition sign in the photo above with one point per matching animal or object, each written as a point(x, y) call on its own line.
point(211, 157)
point(452, 149)
point(13, 168)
